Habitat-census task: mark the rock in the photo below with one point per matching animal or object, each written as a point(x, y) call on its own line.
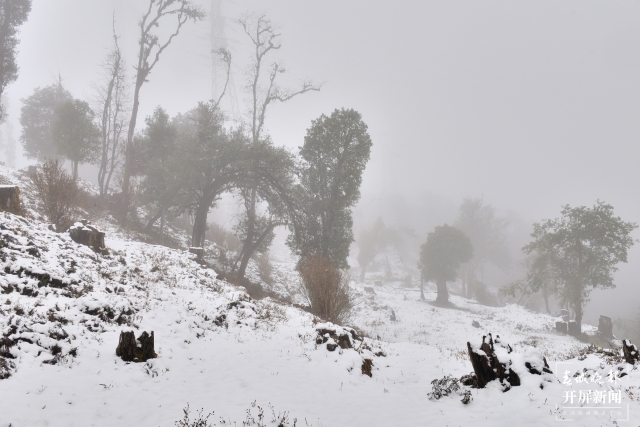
point(475, 324)
point(10, 199)
point(393, 316)
point(562, 327)
point(370, 290)
point(605, 326)
point(367, 364)
point(131, 350)
point(631, 354)
point(84, 233)
point(377, 282)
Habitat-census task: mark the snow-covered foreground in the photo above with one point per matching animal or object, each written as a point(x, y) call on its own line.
point(221, 351)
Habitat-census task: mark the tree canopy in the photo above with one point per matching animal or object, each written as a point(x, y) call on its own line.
point(13, 13)
point(579, 252)
point(334, 155)
point(440, 257)
point(74, 133)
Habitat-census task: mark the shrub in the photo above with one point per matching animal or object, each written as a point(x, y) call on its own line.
point(326, 288)
point(57, 191)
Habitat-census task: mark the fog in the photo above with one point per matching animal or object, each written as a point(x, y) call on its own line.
point(527, 105)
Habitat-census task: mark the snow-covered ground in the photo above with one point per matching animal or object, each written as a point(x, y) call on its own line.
point(63, 307)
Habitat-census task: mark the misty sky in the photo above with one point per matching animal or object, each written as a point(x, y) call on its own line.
point(529, 104)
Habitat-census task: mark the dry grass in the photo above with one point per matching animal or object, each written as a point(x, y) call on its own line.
point(326, 288)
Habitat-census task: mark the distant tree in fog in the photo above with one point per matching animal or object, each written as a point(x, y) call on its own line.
point(75, 133)
point(150, 48)
point(37, 117)
point(579, 252)
point(13, 13)
point(334, 155)
point(441, 256)
point(487, 233)
point(373, 241)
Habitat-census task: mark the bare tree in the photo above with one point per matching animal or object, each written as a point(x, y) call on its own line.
point(264, 91)
point(111, 108)
point(150, 50)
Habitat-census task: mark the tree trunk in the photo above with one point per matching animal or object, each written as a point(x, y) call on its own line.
point(200, 225)
point(421, 288)
point(443, 293)
point(74, 169)
point(248, 242)
point(362, 273)
point(578, 307)
point(546, 299)
point(153, 219)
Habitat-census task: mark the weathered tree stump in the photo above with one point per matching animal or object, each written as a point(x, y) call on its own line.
point(605, 326)
point(10, 199)
point(574, 330)
point(631, 354)
point(367, 364)
point(198, 252)
point(84, 233)
point(488, 367)
point(131, 350)
point(562, 327)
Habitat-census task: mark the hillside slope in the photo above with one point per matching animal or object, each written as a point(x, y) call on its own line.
point(63, 307)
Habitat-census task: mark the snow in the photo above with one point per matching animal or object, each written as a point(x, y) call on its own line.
point(222, 351)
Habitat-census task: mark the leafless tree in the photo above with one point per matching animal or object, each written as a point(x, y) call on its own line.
point(264, 90)
point(111, 107)
point(150, 49)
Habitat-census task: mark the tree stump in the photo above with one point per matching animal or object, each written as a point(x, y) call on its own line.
point(367, 364)
point(574, 331)
point(10, 199)
point(488, 367)
point(131, 350)
point(631, 354)
point(562, 327)
point(605, 326)
point(84, 233)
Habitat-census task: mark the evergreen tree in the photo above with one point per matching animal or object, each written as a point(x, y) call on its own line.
point(75, 134)
point(334, 155)
point(37, 117)
point(13, 13)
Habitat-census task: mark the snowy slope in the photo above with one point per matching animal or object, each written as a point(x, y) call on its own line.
point(221, 351)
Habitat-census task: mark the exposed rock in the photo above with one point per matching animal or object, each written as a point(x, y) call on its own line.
point(562, 327)
point(475, 324)
point(370, 290)
point(393, 316)
point(84, 233)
